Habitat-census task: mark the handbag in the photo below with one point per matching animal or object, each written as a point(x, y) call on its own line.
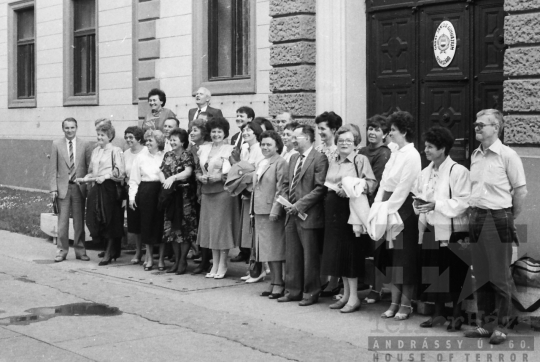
point(56, 209)
point(526, 272)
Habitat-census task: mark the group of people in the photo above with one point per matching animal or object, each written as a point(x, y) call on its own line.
point(311, 215)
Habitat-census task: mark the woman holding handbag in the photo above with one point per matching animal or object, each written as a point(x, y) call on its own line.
point(220, 213)
point(443, 189)
point(104, 216)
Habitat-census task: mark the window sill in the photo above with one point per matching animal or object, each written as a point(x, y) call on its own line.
point(22, 103)
point(71, 101)
point(232, 86)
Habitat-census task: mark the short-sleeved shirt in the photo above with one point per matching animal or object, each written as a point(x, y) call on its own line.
point(495, 173)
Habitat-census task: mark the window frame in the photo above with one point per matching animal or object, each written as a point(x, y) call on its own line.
point(200, 66)
point(13, 100)
point(70, 99)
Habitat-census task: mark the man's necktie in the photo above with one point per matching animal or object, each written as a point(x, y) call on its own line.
point(71, 163)
point(197, 114)
point(292, 195)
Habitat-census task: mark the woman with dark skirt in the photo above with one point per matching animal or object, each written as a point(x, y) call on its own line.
point(401, 262)
point(343, 254)
point(179, 197)
point(104, 216)
point(134, 137)
point(443, 190)
point(378, 155)
point(144, 189)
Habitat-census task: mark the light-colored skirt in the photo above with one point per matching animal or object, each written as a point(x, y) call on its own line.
point(269, 238)
point(219, 223)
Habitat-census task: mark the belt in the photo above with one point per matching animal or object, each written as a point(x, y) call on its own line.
point(485, 211)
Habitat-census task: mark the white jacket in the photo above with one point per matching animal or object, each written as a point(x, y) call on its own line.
point(446, 208)
point(358, 203)
point(379, 223)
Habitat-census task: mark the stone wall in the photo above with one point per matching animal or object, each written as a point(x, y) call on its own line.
point(522, 67)
point(292, 57)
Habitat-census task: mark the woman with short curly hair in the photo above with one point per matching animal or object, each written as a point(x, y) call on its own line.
point(158, 113)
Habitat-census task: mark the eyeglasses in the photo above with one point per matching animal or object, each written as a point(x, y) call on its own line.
point(345, 142)
point(481, 125)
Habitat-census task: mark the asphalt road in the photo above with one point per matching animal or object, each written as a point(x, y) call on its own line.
point(166, 318)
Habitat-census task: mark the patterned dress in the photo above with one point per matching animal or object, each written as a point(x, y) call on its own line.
point(173, 165)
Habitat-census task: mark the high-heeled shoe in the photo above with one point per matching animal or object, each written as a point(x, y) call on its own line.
point(338, 305)
point(210, 275)
point(258, 279)
point(351, 308)
point(389, 313)
point(245, 277)
point(161, 268)
point(181, 270)
point(220, 275)
point(267, 293)
point(277, 295)
point(403, 316)
point(148, 268)
point(135, 261)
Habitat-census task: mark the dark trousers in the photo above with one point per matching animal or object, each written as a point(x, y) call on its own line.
point(492, 232)
point(74, 203)
point(303, 261)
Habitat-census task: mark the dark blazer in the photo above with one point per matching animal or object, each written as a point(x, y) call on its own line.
point(269, 186)
point(59, 165)
point(310, 190)
point(212, 113)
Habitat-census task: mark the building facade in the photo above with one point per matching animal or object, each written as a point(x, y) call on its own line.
point(90, 59)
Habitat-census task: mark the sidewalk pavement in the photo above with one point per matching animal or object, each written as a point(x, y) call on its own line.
point(186, 317)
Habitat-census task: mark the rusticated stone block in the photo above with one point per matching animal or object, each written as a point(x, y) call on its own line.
point(301, 104)
point(296, 53)
point(522, 61)
point(149, 49)
point(293, 79)
point(147, 30)
point(284, 7)
point(299, 27)
point(522, 29)
point(521, 129)
point(149, 10)
point(520, 5)
point(521, 95)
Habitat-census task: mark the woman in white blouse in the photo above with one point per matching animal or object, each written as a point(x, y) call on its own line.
point(144, 188)
point(220, 213)
point(443, 190)
point(104, 216)
point(395, 189)
point(134, 137)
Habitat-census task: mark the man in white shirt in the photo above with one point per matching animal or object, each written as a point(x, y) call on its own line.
point(70, 158)
point(202, 98)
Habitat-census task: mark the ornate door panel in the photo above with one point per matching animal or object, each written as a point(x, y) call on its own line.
point(488, 53)
point(392, 63)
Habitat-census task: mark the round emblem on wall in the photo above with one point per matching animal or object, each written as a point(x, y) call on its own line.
point(444, 44)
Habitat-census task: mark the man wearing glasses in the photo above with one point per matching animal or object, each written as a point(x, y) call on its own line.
point(498, 193)
point(304, 189)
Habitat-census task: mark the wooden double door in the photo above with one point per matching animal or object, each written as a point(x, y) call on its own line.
point(403, 73)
